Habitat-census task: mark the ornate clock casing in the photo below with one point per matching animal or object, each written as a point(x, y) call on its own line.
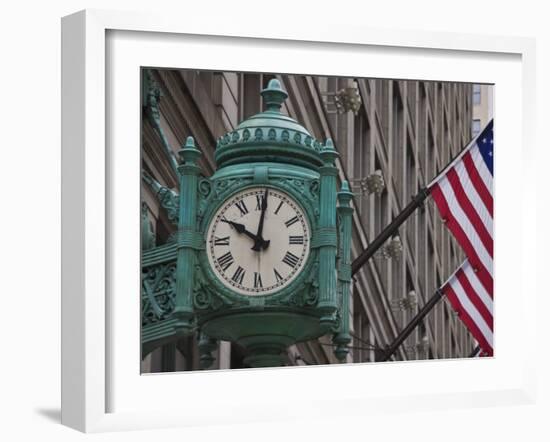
point(258, 241)
point(261, 258)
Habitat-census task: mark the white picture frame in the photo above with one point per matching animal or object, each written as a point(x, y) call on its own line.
point(91, 368)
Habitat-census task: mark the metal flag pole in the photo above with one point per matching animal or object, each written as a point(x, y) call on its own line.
point(416, 202)
point(404, 334)
point(474, 351)
point(389, 230)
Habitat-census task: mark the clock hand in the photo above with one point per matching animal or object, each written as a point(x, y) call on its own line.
point(260, 242)
point(240, 228)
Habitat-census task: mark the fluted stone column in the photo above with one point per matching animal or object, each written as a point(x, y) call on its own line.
point(189, 240)
point(342, 338)
point(326, 235)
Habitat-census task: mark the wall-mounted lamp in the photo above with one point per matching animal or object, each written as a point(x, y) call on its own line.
point(407, 302)
point(392, 250)
point(423, 345)
point(347, 99)
point(373, 183)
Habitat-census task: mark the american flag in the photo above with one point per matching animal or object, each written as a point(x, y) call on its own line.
point(473, 304)
point(463, 193)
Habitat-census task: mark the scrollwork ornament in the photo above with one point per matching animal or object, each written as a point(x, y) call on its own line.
point(169, 200)
point(314, 188)
point(308, 188)
point(158, 292)
point(201, 296)
point(337, 321)
point(225, 186)
point(204, 298)
point(296, 299)
point(222, 184)
point(312, 290)
point(205, 187)
point(201, 299)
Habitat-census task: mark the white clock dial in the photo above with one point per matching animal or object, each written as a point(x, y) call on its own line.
point(252, 257)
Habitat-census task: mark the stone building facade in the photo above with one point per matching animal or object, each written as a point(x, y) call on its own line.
point(395, 138)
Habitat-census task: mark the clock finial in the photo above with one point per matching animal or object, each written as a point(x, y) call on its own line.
point(189, 152)
point(274, 95)
point(328, 152)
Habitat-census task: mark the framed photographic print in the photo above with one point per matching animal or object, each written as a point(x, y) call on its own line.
point(253, 214)
point(258, 227)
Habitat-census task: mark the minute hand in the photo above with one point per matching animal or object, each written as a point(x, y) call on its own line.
point(260, 242)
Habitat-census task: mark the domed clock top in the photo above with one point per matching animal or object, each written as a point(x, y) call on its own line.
point(270, 135)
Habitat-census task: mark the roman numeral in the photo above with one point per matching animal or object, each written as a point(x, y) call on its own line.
point(242, 207)
point(257, 280)
point(296, 239)
point(277, 276)
point(291, 259)
point(224, 241)
point(291, 221)
point(238, 275)
point(259, 200)
point(278, 208)
point(225, 261)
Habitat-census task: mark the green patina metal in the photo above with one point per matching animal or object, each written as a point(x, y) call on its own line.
point(180, 292)
point(342, 337)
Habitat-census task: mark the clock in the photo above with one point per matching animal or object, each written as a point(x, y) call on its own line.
point(258, 241)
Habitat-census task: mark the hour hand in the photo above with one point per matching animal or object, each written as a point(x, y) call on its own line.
point(240, 228)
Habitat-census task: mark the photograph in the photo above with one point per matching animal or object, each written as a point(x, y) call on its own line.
point(295, 220)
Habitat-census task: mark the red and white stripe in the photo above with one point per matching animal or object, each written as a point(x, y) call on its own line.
point(463, 195)
point(473, 303)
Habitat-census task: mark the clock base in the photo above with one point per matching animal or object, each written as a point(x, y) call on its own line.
point(265, 355)
point(265, 335)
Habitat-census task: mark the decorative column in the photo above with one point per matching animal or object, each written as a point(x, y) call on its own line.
point(342, 338)
point(326, 236)
point(189, 240)
point(206, 346)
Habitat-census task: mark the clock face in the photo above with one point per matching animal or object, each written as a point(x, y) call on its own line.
point(258, 241)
